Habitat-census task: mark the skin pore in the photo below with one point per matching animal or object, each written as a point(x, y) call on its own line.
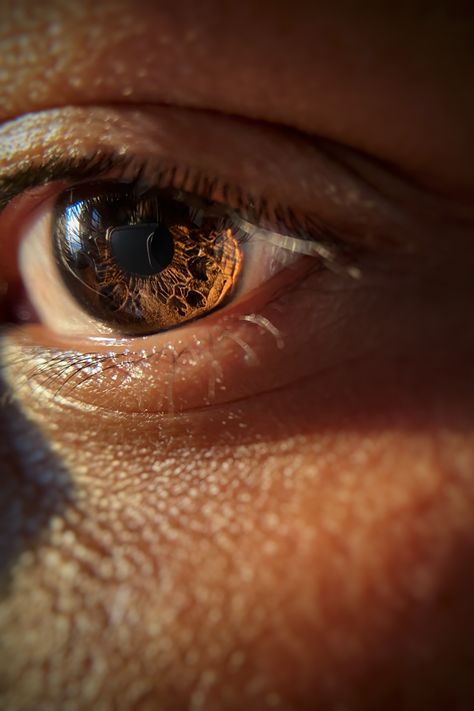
point(304, 538)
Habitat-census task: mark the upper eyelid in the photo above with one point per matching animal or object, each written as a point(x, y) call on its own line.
point(285, 168)
point(102, 166)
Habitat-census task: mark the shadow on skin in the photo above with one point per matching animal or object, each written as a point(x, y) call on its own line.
point(35, 487)
point(422, 660)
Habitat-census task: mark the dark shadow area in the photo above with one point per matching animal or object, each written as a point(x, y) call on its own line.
point(34, 486)
point(426, 661)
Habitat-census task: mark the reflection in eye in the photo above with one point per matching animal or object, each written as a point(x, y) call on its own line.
point(144, 263)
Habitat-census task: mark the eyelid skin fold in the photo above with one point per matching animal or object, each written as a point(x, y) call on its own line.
point(269, 162)
point(270, 507)
point(181, 371)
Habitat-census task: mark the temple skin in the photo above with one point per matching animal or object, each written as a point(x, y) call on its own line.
point(310, 546)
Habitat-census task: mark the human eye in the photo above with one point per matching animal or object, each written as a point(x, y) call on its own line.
point(140, 259)
point(134, 269)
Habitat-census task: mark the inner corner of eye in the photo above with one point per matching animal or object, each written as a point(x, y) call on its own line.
point(15, 305)
point(25, 225)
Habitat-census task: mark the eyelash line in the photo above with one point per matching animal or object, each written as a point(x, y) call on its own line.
point(330, 247)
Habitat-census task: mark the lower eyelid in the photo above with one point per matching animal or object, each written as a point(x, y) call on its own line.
point(217, 360)
point(174, 377)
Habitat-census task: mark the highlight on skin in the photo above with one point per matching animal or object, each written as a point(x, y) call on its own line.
point(271, 505)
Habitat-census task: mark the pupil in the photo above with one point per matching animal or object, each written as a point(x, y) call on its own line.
point(142, 250)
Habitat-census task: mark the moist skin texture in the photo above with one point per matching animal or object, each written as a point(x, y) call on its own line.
point(306, 547)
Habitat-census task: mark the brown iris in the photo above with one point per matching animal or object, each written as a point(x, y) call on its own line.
point(144, 263)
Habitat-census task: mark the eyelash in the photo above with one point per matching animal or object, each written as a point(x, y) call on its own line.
point(330, 247)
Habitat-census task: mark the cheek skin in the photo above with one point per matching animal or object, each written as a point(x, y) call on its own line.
point(318, 553)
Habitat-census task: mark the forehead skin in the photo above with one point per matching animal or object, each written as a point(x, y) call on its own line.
point(316, 550)
point(394, 82)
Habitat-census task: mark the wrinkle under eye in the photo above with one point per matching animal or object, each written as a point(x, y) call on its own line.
point(144, 263)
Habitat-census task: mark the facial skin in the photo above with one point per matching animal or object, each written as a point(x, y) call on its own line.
point(306, 539)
